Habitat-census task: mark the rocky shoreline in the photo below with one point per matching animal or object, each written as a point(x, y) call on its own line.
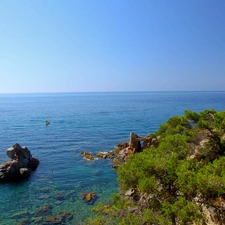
point(123, 150)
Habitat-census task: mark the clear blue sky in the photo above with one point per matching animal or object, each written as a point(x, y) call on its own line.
point(111, 45)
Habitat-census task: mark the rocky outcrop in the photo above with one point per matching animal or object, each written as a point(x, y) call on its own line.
point(136, 144)
point(87, 155)
point(20, 165)
point(105, 155)
point(102, 155)
point(122, 145)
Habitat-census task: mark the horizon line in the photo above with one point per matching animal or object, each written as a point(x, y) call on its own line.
point(74, 92)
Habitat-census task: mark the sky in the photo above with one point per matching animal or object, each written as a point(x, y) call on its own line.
point(112, 45)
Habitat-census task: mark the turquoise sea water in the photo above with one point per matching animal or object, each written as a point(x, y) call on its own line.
point(79, 122)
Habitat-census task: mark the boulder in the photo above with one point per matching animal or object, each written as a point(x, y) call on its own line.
point(24, 222)
point(89, 197)
point(16, 151)
point(20, 165)
point(11, 152)
point(59, 197)
point(87, 155)
point(24, 172)
point(45, 210)
point(33, 164)
point(20, 215)
point(197, 156)
point(111, 155)
point(129, 192)
point(102, 155)
point(147, 142)
point(62, 218)
point(122, 145)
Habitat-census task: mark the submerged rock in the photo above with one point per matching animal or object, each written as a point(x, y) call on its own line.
point(45, 210)
point(58, 202)
point(19, 215)
point(59, 197)
point(89, 197)
point(24, 222)
point(20, 166)
point(62, 218)
point(44, 197)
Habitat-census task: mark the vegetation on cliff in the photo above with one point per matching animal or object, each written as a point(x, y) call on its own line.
point(176, 180)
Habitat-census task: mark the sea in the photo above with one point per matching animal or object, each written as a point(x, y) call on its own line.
point(91, 122)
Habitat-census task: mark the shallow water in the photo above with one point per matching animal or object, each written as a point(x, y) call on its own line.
point(79, 122)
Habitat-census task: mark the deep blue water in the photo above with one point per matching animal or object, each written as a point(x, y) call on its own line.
point(79, 122)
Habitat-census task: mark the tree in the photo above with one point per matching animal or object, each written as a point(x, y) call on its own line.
point(175, 184)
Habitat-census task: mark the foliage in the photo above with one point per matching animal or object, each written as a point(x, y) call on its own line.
point(167, 173)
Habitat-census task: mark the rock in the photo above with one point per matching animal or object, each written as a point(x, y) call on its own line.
point(129, 192)
point(25, 151)
point(37, 220)
point(197, 156)
point(116, 150)
point(24, 172)
point(45, 189)
point(147, 142)
point(16, 151)
point(203, 142)
point(19, 215)
point(117, 162)
point(46, 209)
point(122, 145)
point(134, 144)
point(123, 150)
point(52, 220)
point(111, 155)
point(59, 197)
point(24, 222)
point(66, 216)
point(87, 155)
point(58, 202)
point(44, 197)
point(11, 152)
point(20, 165)
point(62, 218)
point(89, 197)
point(105, 155)
point(102, 155)
point(33, 163)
